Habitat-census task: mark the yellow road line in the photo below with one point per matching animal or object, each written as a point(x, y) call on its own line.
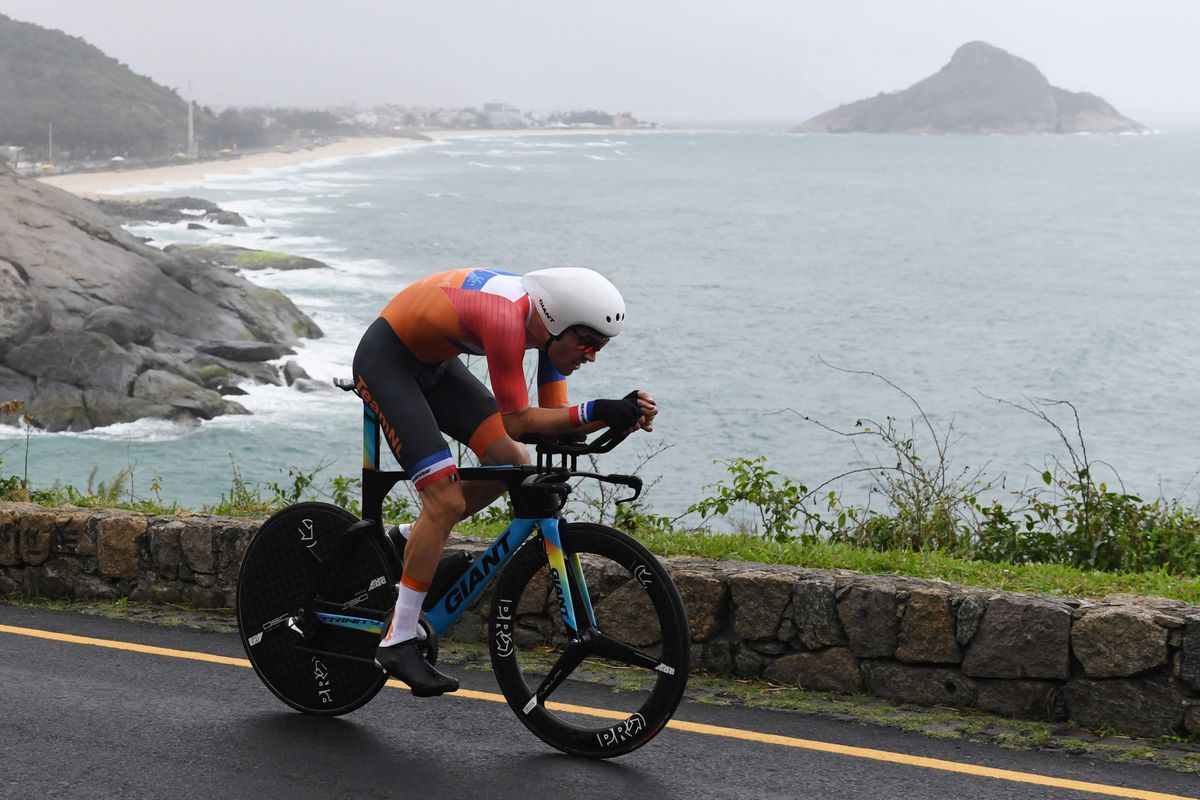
point(691, 727)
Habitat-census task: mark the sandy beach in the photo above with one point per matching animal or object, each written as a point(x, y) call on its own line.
point(120, 181)
point(126, 183)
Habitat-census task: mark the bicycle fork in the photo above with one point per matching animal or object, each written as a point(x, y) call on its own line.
point(566, 572)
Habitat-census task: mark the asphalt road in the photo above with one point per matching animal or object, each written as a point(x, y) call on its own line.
point(80, 720)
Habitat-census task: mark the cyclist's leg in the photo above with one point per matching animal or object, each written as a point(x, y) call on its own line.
point(466, 410)
point(389, 378)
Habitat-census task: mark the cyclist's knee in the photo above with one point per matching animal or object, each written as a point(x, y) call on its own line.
point(505, 450)
point(444, 499)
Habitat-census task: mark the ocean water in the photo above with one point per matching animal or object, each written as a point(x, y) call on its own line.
point(765, 275)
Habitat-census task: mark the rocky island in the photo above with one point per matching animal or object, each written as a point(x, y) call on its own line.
point(97, 327)
point(982, 90)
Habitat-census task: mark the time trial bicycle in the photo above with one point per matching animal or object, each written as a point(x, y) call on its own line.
point(571, 600)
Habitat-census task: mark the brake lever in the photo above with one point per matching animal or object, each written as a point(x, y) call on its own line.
point(632, 481)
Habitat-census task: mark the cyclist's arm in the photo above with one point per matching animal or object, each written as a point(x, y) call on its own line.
point(544, 420)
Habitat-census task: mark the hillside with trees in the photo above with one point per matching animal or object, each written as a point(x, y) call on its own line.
point(98, 107)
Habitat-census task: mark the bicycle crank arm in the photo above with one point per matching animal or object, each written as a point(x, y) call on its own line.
point(331, 654)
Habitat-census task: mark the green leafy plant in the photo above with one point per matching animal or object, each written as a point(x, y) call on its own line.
point(243, 499)
point(777, 500)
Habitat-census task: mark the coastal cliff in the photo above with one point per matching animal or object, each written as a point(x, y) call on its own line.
point(982, 90)
point(97, 327)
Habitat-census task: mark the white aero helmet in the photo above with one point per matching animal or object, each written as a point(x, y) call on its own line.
point(566, 296)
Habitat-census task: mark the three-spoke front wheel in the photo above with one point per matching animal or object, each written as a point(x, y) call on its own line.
point(633, 637)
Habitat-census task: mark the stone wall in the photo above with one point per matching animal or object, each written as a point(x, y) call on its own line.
point(1125, 663)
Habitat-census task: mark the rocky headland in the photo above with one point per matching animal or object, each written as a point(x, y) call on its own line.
point(982, 90)
point(97, 327)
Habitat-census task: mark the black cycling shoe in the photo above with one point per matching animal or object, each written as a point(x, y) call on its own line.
point(404, 661)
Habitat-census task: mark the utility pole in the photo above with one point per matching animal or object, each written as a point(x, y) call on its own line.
point(191, 151)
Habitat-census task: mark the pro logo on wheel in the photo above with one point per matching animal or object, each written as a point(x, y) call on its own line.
point(324, 684)
point(503, 626)
point(622, 731)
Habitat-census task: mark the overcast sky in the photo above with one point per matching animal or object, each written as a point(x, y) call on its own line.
point(771, 61)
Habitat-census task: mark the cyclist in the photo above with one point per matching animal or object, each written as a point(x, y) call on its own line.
point(407, 371)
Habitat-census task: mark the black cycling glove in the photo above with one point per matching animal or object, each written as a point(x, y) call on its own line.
point(619, 415)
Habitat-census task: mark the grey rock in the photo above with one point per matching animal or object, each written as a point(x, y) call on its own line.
point(748, 663)
point(104, 407)
point(160, 209)
point(245, 258)
point(1191, 720)
point(1189, 663)
point(245, 351)
point(1020, 699)
point(703, 596)
point(1021, 637)
point(81, 358)
point(82, 297)
point(119, 324)
point(927, 630)
point(184, 398)
point(196, 226)
point(58, 407)
point(1139, 706)
point(226, 218)
point(293, 372)
point(759, 599)
point(966, 619)
point(931, 686)
point(815, 614)
point(1118, 642)
point(718, 656)
point(834, 669)
point(868, 615)
point(22, 314)
point(166, 551)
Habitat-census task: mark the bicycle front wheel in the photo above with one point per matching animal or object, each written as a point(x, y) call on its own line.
point(633, 638)
point(313, 667)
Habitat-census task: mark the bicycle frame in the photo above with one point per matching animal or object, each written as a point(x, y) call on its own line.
point(478, 575)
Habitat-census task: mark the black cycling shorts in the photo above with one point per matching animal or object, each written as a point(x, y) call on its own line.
point(414, 402)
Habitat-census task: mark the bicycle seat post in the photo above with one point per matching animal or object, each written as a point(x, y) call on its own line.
point(374, 488)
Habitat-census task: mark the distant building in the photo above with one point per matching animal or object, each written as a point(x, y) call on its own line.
point(12, 154)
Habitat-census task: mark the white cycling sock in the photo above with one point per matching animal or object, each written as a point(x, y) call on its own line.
point(404, 618)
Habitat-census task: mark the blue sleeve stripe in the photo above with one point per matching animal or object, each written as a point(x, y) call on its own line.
point(547, 373)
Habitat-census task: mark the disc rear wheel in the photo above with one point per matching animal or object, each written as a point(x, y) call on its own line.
point(313, 667)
